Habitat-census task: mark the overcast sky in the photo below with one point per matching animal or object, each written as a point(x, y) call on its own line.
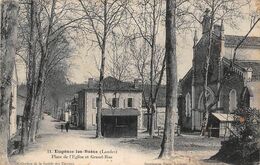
point(84, 65)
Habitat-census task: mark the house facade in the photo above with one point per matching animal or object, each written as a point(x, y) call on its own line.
point(74, 111)
point(239, 83)
point(116, 95)
point(160, 106)
point(19, 111)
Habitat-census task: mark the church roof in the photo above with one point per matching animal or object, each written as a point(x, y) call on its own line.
point(233, 40)
point(255, 65)
point(244, 65)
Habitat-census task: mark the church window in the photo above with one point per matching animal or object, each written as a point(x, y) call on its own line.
point(232, 100)
point(188, 105)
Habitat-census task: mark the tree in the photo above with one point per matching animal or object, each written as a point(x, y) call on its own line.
point(30, 76)
point(119, 61)
point(102, 19)
point(147, 20)
point(167, 146)
point(48, 45)
point(9, 14)
point(242, 147)
point(215, 11)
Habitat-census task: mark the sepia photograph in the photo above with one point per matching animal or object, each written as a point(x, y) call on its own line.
point(130, 82)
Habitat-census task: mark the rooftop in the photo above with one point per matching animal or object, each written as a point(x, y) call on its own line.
point(161, 98)
point(120, 112)
point(243, 65)
point(113, 84)
point(233, 40)
point(255, 65)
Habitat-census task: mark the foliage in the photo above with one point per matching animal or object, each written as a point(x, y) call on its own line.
point(246, 124)
point(243, 144)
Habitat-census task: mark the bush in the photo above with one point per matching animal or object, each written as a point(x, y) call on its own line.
point(243, 143)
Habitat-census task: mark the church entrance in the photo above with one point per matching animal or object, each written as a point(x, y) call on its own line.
point(198, 114)
point(198, 118)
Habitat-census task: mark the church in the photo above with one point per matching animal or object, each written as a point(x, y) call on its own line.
point(240, 88)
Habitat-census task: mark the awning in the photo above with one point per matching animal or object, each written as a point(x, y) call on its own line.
point(120, 112)
point(224, 117)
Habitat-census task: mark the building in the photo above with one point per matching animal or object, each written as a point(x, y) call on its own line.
point(116, 95)
point(67, 111)
point(74, 111)
point(119, 122)
point(19, 112)
point(160, 106)
point(240, 82)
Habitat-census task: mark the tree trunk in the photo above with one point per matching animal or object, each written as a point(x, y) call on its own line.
point(152, 97)
point(102, 72)
point(100, 92)
point(35, 118)
point(167, 146)
point(9, 13)
point(30, 78)
point(41, 110)
point(152, 119)
point(148, 119)
point(206, 73)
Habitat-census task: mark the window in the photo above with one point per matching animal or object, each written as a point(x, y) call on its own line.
point(130, 102)
point(93, 119)
point(188, 105)
point(94, 103)
point(232, 100)
point(209, 99)
point(115, 102)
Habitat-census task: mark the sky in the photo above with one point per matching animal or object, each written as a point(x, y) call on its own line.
point(84, 65)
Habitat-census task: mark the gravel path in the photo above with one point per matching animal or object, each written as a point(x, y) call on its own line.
point(75, 148)
point(79, 147)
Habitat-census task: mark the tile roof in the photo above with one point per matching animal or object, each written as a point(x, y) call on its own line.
point(233, 40)
point(243, 65)
point(113, 84)
point(120, 112)
point(161, 98)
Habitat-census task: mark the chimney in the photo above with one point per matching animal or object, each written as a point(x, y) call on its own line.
point(91, 82)
point(248, 74)
point(206, 22)
point(222, 30)
point(137, 83)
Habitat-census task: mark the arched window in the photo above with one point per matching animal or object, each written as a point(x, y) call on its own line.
point(188, 105)
point(209, 99)
point(232, 100)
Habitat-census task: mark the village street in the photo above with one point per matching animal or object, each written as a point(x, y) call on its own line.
point(80, 147)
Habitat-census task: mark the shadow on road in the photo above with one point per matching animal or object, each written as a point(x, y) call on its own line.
point(55, 120)
point(71, 127)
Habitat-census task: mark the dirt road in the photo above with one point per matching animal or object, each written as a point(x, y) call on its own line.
point(79, 147)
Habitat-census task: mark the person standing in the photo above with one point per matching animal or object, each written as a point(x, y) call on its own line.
point(67, 126)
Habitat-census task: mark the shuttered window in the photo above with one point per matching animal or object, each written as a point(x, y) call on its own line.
point(115, 102)
point(130, 102)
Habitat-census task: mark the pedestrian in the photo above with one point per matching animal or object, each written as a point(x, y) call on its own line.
point(67, 126)
point(61, 127)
